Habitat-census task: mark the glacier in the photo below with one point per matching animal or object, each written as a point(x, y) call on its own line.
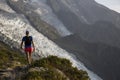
point(13, 27)
point(42, 10)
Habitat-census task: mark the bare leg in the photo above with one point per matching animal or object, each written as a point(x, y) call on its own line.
point(27, 56)
point(30, 58)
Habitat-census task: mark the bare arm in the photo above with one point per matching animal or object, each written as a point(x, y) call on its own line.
point(33, 45)
point(21, 45)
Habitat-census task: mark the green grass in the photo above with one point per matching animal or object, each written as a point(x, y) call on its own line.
point(49, 74)
point(7, 56)
point(63, 65)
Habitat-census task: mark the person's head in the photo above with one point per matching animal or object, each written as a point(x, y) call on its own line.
point(27, 33)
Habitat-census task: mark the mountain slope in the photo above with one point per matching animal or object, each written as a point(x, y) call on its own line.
point(87, 10)
point(90, 19)
point(34, 19)
point(41, 17)
point(101, 58)
point(12, 28)
point(58, 18)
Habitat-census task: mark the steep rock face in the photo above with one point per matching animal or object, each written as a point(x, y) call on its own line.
point(89, 19)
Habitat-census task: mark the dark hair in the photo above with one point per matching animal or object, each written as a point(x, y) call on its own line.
point(27, 32)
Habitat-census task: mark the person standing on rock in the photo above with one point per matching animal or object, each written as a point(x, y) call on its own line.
point(29, 46)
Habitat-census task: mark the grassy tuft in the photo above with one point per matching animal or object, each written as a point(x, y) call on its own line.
point(63, 65)
point(7, 56)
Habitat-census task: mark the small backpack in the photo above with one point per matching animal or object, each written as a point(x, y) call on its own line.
point(27, 40)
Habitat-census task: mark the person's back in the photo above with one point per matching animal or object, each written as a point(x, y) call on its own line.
point(29, 46)
point(28, 41)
